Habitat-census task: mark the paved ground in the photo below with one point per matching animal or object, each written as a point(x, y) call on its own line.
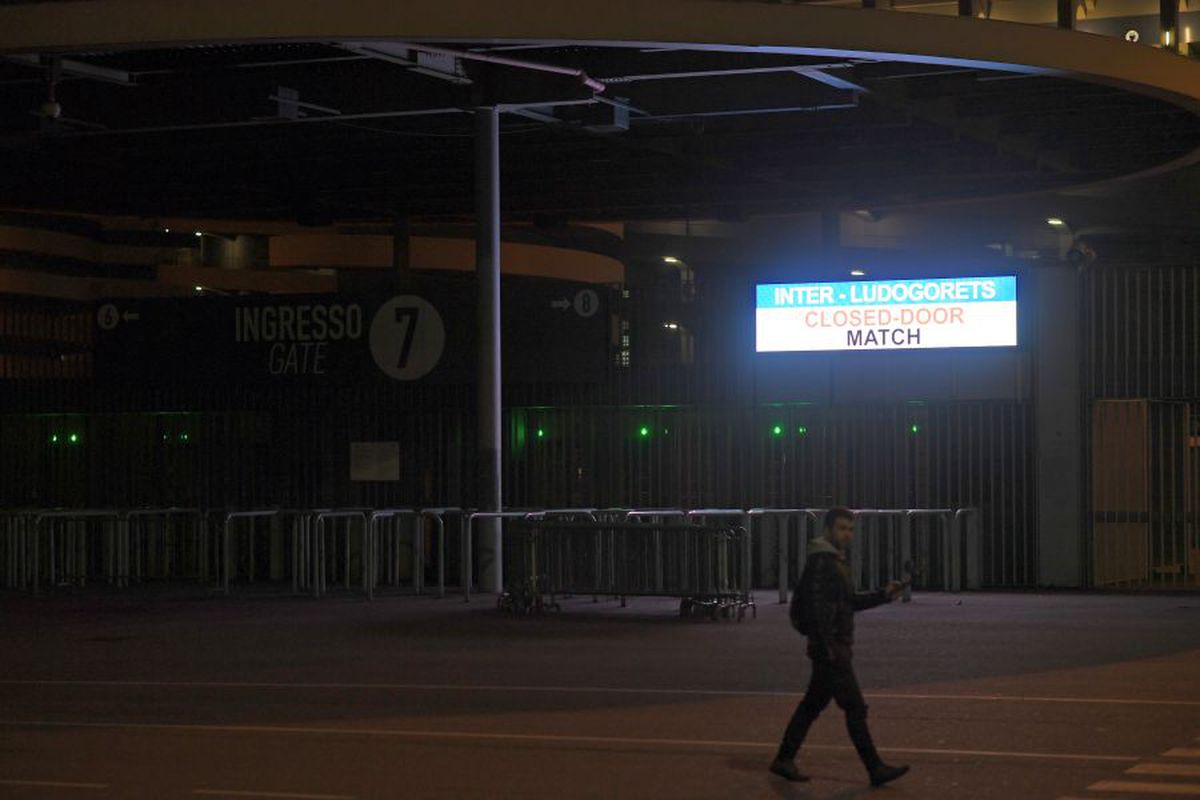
point(162, 695)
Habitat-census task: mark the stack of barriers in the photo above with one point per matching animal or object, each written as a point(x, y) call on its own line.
point(72, 547)
point(367, 548)
point(933, 547)
point(701, 558)
point(310, 551)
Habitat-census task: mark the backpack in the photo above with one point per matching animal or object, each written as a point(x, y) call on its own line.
point(796, 611)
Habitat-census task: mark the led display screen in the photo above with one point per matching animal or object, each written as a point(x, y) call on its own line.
point(886, 315)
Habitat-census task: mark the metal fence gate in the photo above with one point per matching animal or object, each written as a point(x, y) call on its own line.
point(1145, 492)
point(917, 455)
point(1142, 384)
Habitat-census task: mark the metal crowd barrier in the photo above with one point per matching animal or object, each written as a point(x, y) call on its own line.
point(468, 543)
point(165, 544)
point(783, 518)
point(529, 597)
point(303, 534)
point(971, 541)
point(321, 553)
point(72, 548)
point(654, 516)
point(438, 517)
point(226, 547)
point(468, 538)
point(385, 546)
point(16, 547)
point(702, 564)
point(880, 546)
point(57, 546)
point(291, 535)
point(889, 542)
point(63, 546)
point(385, 528)
point(373, 531)
point(747, 554)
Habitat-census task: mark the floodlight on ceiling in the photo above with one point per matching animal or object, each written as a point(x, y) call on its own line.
point(858, 273)
point(1055, 222)
point(670, 260)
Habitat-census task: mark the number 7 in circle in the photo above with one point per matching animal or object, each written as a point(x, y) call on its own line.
point(408, 315)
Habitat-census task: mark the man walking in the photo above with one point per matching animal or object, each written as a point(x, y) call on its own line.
point(822, 608)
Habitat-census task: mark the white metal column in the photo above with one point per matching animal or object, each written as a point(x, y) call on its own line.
point(487, 270)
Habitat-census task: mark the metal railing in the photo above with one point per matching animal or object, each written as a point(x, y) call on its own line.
point(747, 554)
point(704, 565)
point(598, 551)
point(889, 544)
point(783, 558)
point(68, 536)
point(16, 545)
point(386, 552)
point(165, 544)
point(226, 530)
point(468, 541)
point(321, 559)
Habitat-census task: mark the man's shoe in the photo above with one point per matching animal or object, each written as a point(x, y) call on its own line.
point(788, 771)
point(885, 774)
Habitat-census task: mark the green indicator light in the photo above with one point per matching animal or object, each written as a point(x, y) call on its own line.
point(183, 437)
point(914, 428)
point(777, 430)
point(73, 438)
point(541, 434)
point(802, 430)
point(54, 438)
point(643, 431)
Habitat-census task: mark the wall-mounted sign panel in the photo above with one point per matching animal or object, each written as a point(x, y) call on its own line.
point(421, 331)
point(886, 315)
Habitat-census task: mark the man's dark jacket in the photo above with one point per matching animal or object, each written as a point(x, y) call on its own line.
point(824, 601)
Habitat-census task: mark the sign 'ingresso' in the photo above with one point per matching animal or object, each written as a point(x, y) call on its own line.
point(297, 335)
point(887, 315)
point(389, 332)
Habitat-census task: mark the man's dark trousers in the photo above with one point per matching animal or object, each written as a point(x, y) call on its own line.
point(831, 680)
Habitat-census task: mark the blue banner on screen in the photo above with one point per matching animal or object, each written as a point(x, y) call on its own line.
point(886, 315)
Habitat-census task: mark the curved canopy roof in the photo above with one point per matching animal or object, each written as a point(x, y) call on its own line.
point(361, 110)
